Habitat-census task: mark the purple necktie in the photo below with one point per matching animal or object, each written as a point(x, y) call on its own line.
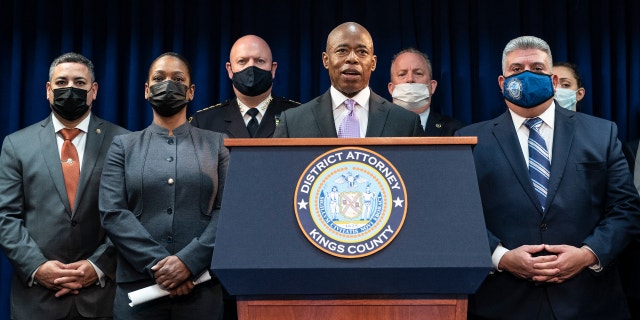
point(350, 126)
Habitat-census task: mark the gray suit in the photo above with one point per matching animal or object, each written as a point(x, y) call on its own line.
point(36, 224)
point(314, 119)
point(160, 195)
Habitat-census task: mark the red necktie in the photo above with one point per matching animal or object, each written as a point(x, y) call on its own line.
point(70, 164)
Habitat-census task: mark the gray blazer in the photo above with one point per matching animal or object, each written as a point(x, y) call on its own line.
point(314, 119)
point(36, 224)
point(161, 196)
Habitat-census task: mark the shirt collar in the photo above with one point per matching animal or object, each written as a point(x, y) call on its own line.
point(262, 106)
point(548, 117)
point(83, 125)
point(423, 118)
point(362, 98)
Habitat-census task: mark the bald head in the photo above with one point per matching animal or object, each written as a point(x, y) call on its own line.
point(250, 50)
point(353, 28)
point(349, 58)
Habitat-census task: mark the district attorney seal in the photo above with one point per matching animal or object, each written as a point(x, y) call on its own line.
point(350, 202)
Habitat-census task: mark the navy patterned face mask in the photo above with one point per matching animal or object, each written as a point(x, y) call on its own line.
point(528, 89)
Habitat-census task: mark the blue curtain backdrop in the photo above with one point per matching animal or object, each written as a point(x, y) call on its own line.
point(464, 39)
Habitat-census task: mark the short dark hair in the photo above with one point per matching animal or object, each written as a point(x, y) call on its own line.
point(72, 57)
point(573, 68)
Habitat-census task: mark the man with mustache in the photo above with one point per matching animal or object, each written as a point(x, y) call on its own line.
point(349, 108)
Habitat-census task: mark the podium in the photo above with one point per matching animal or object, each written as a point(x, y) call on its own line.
point(439, 256)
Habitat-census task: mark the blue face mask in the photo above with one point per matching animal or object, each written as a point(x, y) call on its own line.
point(528, 89)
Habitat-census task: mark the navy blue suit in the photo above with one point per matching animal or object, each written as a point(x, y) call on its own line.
point(591, 201)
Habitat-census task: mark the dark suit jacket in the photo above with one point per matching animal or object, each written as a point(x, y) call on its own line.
point(439, 125)
point(36, 224)
point(314, 119)
point(226, 118)
point(630, 260)
point(591, 201)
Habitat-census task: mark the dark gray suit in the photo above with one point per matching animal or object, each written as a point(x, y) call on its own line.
point(314, 119)
point(160, 195)
point(36, 224)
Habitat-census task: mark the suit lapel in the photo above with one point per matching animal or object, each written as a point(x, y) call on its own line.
point(235, 123)
point(507, 139)
point(95, 138)
point(430, 128)
point(268, 124)
point(51, 156)
point(323, 113)
point(377, 116)
point(563, 132)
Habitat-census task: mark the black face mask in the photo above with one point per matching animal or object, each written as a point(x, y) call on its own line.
point(70, 103)
point(168, 97)
point(252, 81)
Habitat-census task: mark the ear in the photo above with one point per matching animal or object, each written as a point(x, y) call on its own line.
point(191, 92)
point(49, 91)
point(325, 60)
point(555, 79)
point(390, 87)
point(229, 72)
point(501, 82)
point(94, 86)
point(433, 85)
point(375, 61)
point(146, 91)
point(274, 66)
point(580, 94)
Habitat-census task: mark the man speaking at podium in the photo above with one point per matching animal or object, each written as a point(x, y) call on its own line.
point(349, 109)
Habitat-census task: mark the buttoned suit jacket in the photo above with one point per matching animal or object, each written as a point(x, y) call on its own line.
point(314, 119)
point(140, 238)
point(226, 118)
point(591, 201)
point(439, 125)
point(37, 225)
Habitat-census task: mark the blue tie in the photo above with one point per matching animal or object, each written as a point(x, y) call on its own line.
point(539, 163)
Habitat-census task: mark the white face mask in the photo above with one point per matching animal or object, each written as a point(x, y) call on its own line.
point(566, 98)
point(411, 96)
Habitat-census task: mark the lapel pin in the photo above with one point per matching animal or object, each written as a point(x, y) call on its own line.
point(98, 131)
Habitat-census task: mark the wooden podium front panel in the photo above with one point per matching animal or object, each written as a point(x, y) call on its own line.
point(454, 308)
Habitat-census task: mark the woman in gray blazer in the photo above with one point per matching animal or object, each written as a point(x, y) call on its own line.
point(160, 197)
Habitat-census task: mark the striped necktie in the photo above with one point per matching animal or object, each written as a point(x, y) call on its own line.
point(539, 162)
